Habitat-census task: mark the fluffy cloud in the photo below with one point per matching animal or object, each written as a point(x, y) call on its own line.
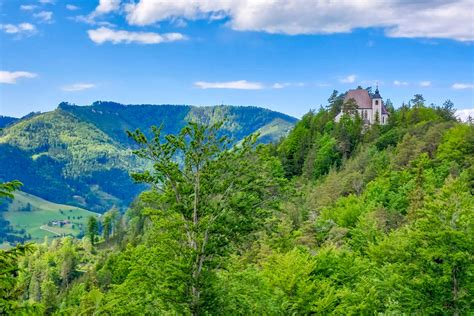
point(425, 84)
point(46, 1)
point(400, 18)
point(104, 34)
point(78, 87)
point(11, 77)
point(463, 115)
point(239, 84)
point(462, 86)
point(72, 7)
point(349, 79)
point(44, 16)
point(107, 6)
point(400, 83)
point(19, 29)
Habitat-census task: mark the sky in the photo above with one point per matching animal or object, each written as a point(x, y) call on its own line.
point(287, 56)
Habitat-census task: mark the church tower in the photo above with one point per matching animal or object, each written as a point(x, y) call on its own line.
point(377, 107)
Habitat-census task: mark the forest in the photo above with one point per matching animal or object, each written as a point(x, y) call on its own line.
point(335, 218)
point(81, 155)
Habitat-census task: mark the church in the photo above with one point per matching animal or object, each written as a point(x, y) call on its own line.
point(370, 108)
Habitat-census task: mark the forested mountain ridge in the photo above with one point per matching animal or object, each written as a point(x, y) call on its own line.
point(115, 118)
point(80, 155)
point(6, 120)
point(337, 218)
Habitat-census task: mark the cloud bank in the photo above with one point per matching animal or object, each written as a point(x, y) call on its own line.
point(451, 19)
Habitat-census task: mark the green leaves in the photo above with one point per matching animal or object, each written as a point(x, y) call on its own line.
point(7, 188)
point(9, 270)
point(212, 198)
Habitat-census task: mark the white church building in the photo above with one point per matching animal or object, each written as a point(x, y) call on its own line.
point(369, 107)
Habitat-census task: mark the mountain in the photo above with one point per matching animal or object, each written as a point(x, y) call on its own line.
point(81, 155)
point(7, 120)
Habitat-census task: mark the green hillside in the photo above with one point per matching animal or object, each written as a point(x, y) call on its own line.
point(81, 155)
point(62, 159)
point(338, 218)
point(34, 217)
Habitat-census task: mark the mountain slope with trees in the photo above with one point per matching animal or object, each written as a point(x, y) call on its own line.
point(81, 155)
point(337, 218)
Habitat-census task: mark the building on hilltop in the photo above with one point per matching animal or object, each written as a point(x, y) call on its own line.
point(370, 108)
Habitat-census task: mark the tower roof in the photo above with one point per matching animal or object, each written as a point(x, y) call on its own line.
point(377, 94)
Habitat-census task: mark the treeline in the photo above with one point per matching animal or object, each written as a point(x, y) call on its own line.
point(338, 218)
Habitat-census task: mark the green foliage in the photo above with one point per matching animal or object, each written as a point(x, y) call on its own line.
point(92, 229)
point(215, 196)
point(367, 221)
point(9, 270)
point(7, 188)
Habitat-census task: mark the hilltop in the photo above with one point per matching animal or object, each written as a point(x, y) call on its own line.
point(336, 218)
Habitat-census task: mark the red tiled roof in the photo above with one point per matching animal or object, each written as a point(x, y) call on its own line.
point(361, 97)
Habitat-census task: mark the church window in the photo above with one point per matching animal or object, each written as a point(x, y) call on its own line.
point(376, 102)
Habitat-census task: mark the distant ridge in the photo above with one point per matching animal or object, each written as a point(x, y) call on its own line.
point(7, 120)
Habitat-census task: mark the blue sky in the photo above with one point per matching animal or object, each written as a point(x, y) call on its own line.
point(284, 55)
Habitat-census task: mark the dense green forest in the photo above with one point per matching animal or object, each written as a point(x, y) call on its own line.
point(81, 155)
point(336, 218)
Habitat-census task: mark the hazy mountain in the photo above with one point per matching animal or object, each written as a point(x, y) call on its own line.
point(7, 120)
point(81, 155)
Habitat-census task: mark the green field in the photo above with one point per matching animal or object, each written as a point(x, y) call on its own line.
point(33, 214)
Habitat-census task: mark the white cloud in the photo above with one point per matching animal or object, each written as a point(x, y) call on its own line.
point(44, 16)
point(349, 79)
point(400, 83)
point(91, 20)
point(104, 34)
point(46, 1)
point(239, 84)
point(19, 29)
point(451, 19)
point(461, 86)
point(72, 7)
point(281, 85)
point(464, 114)
point(425, 84)
point(78, 87)
point(11, 77)
point(28, 7)
point(107, 6)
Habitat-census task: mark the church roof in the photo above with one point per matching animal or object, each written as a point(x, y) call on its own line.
point(361, 97)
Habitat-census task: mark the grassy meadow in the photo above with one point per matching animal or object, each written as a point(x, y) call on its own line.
point(33, 214)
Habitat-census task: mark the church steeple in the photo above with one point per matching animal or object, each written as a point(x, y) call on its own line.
point(377, 94)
